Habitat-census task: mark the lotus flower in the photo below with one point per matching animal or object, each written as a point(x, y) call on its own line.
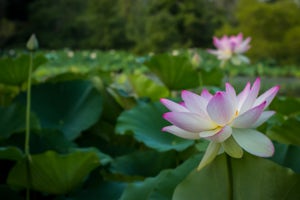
point(231, 48)
point(225, 119)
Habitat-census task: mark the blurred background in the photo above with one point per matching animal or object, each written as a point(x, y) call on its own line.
point(101, 68)
point(142, 26)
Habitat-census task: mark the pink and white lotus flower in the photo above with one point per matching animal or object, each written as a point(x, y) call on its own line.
point(228, 120)
point(231, 48)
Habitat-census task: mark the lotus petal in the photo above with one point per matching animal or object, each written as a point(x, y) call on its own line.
point(220, 108)
point(232, 148)
point(241, 97)
point(248, 118)
point(254, 142)
point(189, 121)
point(267, 96)
point(206, 94)
point(181, 133)
point(172, 106)
point(210, 154)
point(221, 135)
point(194, 102)
point(262, 118)
point(249, 101)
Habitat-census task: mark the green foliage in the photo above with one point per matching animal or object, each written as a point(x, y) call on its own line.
point(173, 70)
point(160, 35)
point(289, 126)
point(45, 140)
point(144, 87)
point(287, 155)
point(161, 25)
point(102, 24)
point(142, 26)
point(234, 179)
point(12, 120)
point(144, 163)
point(7, 30)
point(197, 20)
point(8, 193)
point(96, 130)
point(291, 43)
point(146, 122)
point(287, 107)
point(53, 173)
point(79, 99)
point(162, 186)
point(54, 24)
point(105, 190)
point(10, 153)
point(14, 71)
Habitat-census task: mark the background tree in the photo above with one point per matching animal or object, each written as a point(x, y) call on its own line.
point(13, 22)
point(57, 23)
point(138, 25)
point(198, 20)
point(103, 25)
point(158, 25)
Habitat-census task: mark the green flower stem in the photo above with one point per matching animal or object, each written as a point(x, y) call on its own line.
point(28, 177)
point(201, 79)
point(27, 133)
point(27, 136)
point(227, 73)
point(229, 168)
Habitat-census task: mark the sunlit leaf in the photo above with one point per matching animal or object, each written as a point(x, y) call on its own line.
point(14, 71)
point(124, 99)
point(146, 122)
point(176, 72)
point(70, 107)
point(53, 173)
point(247, 178)
point(144, 87)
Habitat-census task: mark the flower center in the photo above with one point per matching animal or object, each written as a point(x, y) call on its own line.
point(228, 53)
point(233, 117)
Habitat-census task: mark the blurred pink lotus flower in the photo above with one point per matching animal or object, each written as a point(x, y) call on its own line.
point(226, 119)
point(231, 48)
